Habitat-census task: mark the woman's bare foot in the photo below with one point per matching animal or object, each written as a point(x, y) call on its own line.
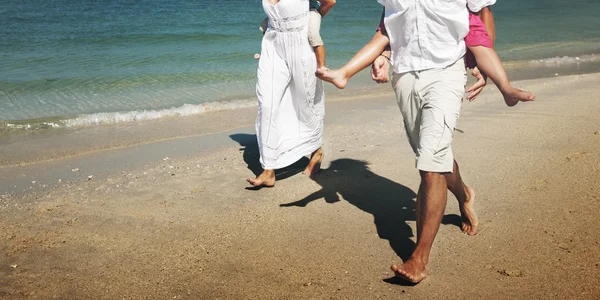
point(336, 77)
point(467, 213)
point(314, 165)
point(411, 271)
point(512, 96)
point(265, 179)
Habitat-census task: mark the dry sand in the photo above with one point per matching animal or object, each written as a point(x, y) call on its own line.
point(148, 227)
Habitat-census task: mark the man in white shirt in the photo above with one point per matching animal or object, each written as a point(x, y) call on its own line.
point(429, 76)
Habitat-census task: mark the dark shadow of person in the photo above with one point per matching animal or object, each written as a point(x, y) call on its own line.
point(251, 156)
point(391, 204)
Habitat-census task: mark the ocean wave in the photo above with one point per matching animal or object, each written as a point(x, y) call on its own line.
point(123, 117)
point(560, 60)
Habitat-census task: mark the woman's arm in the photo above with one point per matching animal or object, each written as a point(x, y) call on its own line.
point(380, 69)
point(488, 19)
point(326, 6)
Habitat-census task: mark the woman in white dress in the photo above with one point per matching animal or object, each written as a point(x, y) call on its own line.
point(290, 97)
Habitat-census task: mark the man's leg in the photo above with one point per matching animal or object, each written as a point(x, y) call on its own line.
point(466, 198)
point(431, 204)
point(439, 97)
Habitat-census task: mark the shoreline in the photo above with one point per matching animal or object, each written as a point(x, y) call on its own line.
point(85, 149)
point(361, 84)
point(86, 139)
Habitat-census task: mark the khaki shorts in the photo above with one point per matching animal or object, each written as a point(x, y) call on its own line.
point(314, 29)
point(430, 102)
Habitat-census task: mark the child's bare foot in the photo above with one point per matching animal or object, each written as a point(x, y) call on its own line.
point(337, 77)
point(314, 165)
point(265, 179)
point(513, 96)
point(412, 271)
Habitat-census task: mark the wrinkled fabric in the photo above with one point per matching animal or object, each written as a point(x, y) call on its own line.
point(291, 108)
point(427, 34)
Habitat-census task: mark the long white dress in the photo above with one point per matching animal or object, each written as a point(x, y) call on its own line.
point(290, 97)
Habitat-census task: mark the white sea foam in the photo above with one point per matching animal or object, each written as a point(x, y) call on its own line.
point(126, 117)
point(30, 126)
point(563, 60)
point(144, 115)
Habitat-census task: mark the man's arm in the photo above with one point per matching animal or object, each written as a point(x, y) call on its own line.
point(326, 6)
point(380, 70)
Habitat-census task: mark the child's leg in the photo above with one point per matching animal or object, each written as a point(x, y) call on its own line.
point(489, 63)
point(361, 60)
point(314, 37)
point(320, 54)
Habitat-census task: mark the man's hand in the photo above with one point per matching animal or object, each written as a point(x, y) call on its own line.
point(380, 70)
point(478, 86)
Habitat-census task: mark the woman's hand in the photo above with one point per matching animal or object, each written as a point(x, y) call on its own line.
point(380, 70)
point(326, 6)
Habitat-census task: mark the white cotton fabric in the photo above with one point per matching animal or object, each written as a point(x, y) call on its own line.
point(427, 34)
point(477, 5)
point(291, 108)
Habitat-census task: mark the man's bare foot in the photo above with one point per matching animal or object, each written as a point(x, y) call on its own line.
point(265, 179)
point(411, 271)
point(336, 77)
point(467, 213)
point(314, 165)
point(513, 96)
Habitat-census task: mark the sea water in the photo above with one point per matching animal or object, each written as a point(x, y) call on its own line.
point(70, 63)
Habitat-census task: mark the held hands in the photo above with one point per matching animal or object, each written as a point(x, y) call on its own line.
point(478, 86)
point(380, 73)
point(380, 70)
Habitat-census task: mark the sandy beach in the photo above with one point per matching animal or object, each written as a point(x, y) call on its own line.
point(160, 209)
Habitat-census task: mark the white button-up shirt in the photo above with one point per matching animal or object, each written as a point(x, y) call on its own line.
point(428, 34)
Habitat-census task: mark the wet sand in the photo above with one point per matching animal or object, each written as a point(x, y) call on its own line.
point(169, 216)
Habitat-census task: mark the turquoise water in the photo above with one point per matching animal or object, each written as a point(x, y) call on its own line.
point(107, 61)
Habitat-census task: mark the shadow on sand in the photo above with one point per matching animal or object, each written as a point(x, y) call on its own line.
point(391, 204)
point(249, 146)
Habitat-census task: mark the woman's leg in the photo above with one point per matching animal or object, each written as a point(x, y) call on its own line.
point(265, 179)
point(361, 60)
point(314, 165)
point(489, 63)
point(273, 77)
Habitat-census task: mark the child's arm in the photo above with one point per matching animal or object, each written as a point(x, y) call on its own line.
point(375, 52)
point(326, 6)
